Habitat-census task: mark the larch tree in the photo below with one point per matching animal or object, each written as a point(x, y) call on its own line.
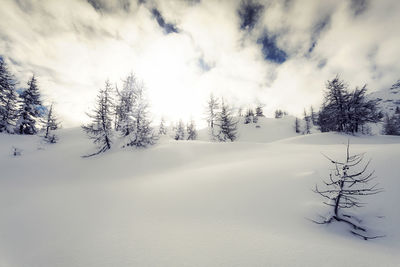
point(50, 124)
point(180, 131)
point(191, 130)
point(142, 133)
point(100, 128)
point(347, 184)
point(211, 113)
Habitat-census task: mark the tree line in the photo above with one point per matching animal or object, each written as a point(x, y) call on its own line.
point(22, 110)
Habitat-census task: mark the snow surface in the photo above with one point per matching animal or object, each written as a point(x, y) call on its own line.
point(190, 203)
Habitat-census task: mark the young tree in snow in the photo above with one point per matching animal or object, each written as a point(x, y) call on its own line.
point(30, 111)
point(227, 124)
point(100, 129)
point(141, 134)
point(180, 131)
point(162, 129)
point(50, 124)
point(191, 130)
point(279, 113)
point(346, 185)
point(297, 125)
point(8, 99)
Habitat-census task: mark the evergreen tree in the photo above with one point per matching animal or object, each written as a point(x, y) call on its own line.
point(141, 134)
point(29, 112)
point(279, 114)
point(162, 129)
point(297, 125)
point(227, 124)
point(8, 99)
point(259, 111)
point(191, 131)
point(391, 124)
point(180, 131)
point(51, 124)
point(248, 118)
point(100, 129)
point(307, 119)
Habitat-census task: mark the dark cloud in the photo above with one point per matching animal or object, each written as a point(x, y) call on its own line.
point(317, 30)
point(358, 6)
point(203, 65)
point(167, 27)
point(249, 13)
point(270, 49)
point(110, 6)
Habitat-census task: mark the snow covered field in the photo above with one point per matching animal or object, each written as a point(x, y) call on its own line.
point(190, 203)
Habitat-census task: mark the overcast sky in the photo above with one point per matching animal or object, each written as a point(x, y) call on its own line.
point(277, 52)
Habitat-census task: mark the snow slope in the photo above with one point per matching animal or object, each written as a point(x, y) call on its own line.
point(388, 99)
point(189, 203)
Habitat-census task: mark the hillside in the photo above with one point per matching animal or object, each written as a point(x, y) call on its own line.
point(190, 203)
point(388, 99)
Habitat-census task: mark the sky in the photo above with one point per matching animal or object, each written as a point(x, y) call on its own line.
point(277, 53)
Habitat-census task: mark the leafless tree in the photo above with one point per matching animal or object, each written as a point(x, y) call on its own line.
point(348, 182)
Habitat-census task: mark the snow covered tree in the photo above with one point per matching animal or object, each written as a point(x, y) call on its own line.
point(297, 125)
point(391, 124)
point(124, 122)
point(162, 129)
point(8, 99)
point(180, 131)
point(100, 129)
point(50, 124)
point(346, 185)
point(30, 109)
point(191, 130)
point(211, 113)
point(141, 134)
point(279, 113)
point(345, 111)
point(260, 111)
point(313, 116)
point(227, 124)
point(307, 126)
point(361, 111)
point(248, 118)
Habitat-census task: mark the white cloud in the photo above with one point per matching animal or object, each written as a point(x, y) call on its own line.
point(73, 49)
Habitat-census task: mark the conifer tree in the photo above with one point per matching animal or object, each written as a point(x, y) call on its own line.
point(191, 130)
point(8, 99)
point(249, 117)
point(259, 111)
point(124, 122)
point(227, 125)
point(51, 124)
point(30, 109)
point(141, 134)
point(297, 125)
point(162, 129)
point(179, 131)
point(307, 119)
point(100, 128)
point(211, 114)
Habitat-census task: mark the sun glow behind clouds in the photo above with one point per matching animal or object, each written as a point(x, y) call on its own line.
point(73, 48)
